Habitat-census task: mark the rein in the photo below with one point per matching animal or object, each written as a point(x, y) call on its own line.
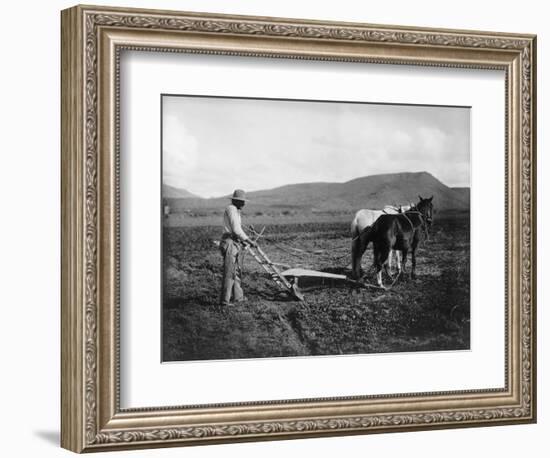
point(422, 223)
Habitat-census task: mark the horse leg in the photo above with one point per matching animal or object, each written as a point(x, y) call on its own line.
point(356, 255)
point(396, 254)
point(404, 253)
point(358, 248)
point(387, 265)
point(354, 243)
point(413, 256)
point(398, 259)
point(378, 266)
point(380, 259)
point(379, 279)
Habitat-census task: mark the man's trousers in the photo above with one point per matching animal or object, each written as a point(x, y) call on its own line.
point(232, 253)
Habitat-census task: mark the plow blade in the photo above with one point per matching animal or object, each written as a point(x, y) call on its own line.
point(262, 259)
point(311, 273)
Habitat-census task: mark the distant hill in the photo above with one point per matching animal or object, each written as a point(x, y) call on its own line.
point(172, 192)
point(373, 191)
point(464, 192)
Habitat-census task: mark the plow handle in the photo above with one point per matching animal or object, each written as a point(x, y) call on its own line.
point(275, 274)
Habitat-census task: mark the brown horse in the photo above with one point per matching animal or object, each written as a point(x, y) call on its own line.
point(361, 223)
point(400, 232)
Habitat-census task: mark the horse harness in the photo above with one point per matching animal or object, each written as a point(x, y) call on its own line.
point(424, 225)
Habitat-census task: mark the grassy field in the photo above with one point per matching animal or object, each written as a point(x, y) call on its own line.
point(429, 313)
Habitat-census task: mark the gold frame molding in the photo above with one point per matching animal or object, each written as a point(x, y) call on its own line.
point(92, 39)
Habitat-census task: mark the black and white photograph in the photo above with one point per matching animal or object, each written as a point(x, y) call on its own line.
point(275, 229)
point(310, 228)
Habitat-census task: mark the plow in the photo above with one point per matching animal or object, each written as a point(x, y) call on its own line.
point(288, 280)
point(289, 284)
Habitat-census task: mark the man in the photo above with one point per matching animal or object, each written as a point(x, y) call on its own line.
point(233, 241)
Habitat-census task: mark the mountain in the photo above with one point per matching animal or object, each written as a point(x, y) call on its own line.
point(171, 192)
point(373, 191)
point(464, 192)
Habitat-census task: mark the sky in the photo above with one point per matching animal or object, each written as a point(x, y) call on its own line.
point(211, 145)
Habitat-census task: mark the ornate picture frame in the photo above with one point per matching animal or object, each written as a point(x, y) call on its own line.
point(92, 41)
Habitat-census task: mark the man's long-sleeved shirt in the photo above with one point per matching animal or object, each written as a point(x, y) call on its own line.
point(232, 222)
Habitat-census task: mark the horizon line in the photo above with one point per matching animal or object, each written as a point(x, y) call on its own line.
point(309, 182)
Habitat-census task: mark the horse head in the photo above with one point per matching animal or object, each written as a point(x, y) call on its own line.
point(426, 208)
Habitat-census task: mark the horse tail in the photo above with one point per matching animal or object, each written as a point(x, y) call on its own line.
point(354, 229)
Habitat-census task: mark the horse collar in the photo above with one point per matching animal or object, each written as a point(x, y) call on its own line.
point(424, 225)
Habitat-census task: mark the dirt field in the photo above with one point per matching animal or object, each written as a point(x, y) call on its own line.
point(429, 313)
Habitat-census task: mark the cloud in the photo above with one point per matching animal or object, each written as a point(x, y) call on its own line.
point(179, 152)
point(431, 140)
point(213, 145)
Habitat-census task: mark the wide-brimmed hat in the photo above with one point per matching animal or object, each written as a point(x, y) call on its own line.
point(238, 194)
